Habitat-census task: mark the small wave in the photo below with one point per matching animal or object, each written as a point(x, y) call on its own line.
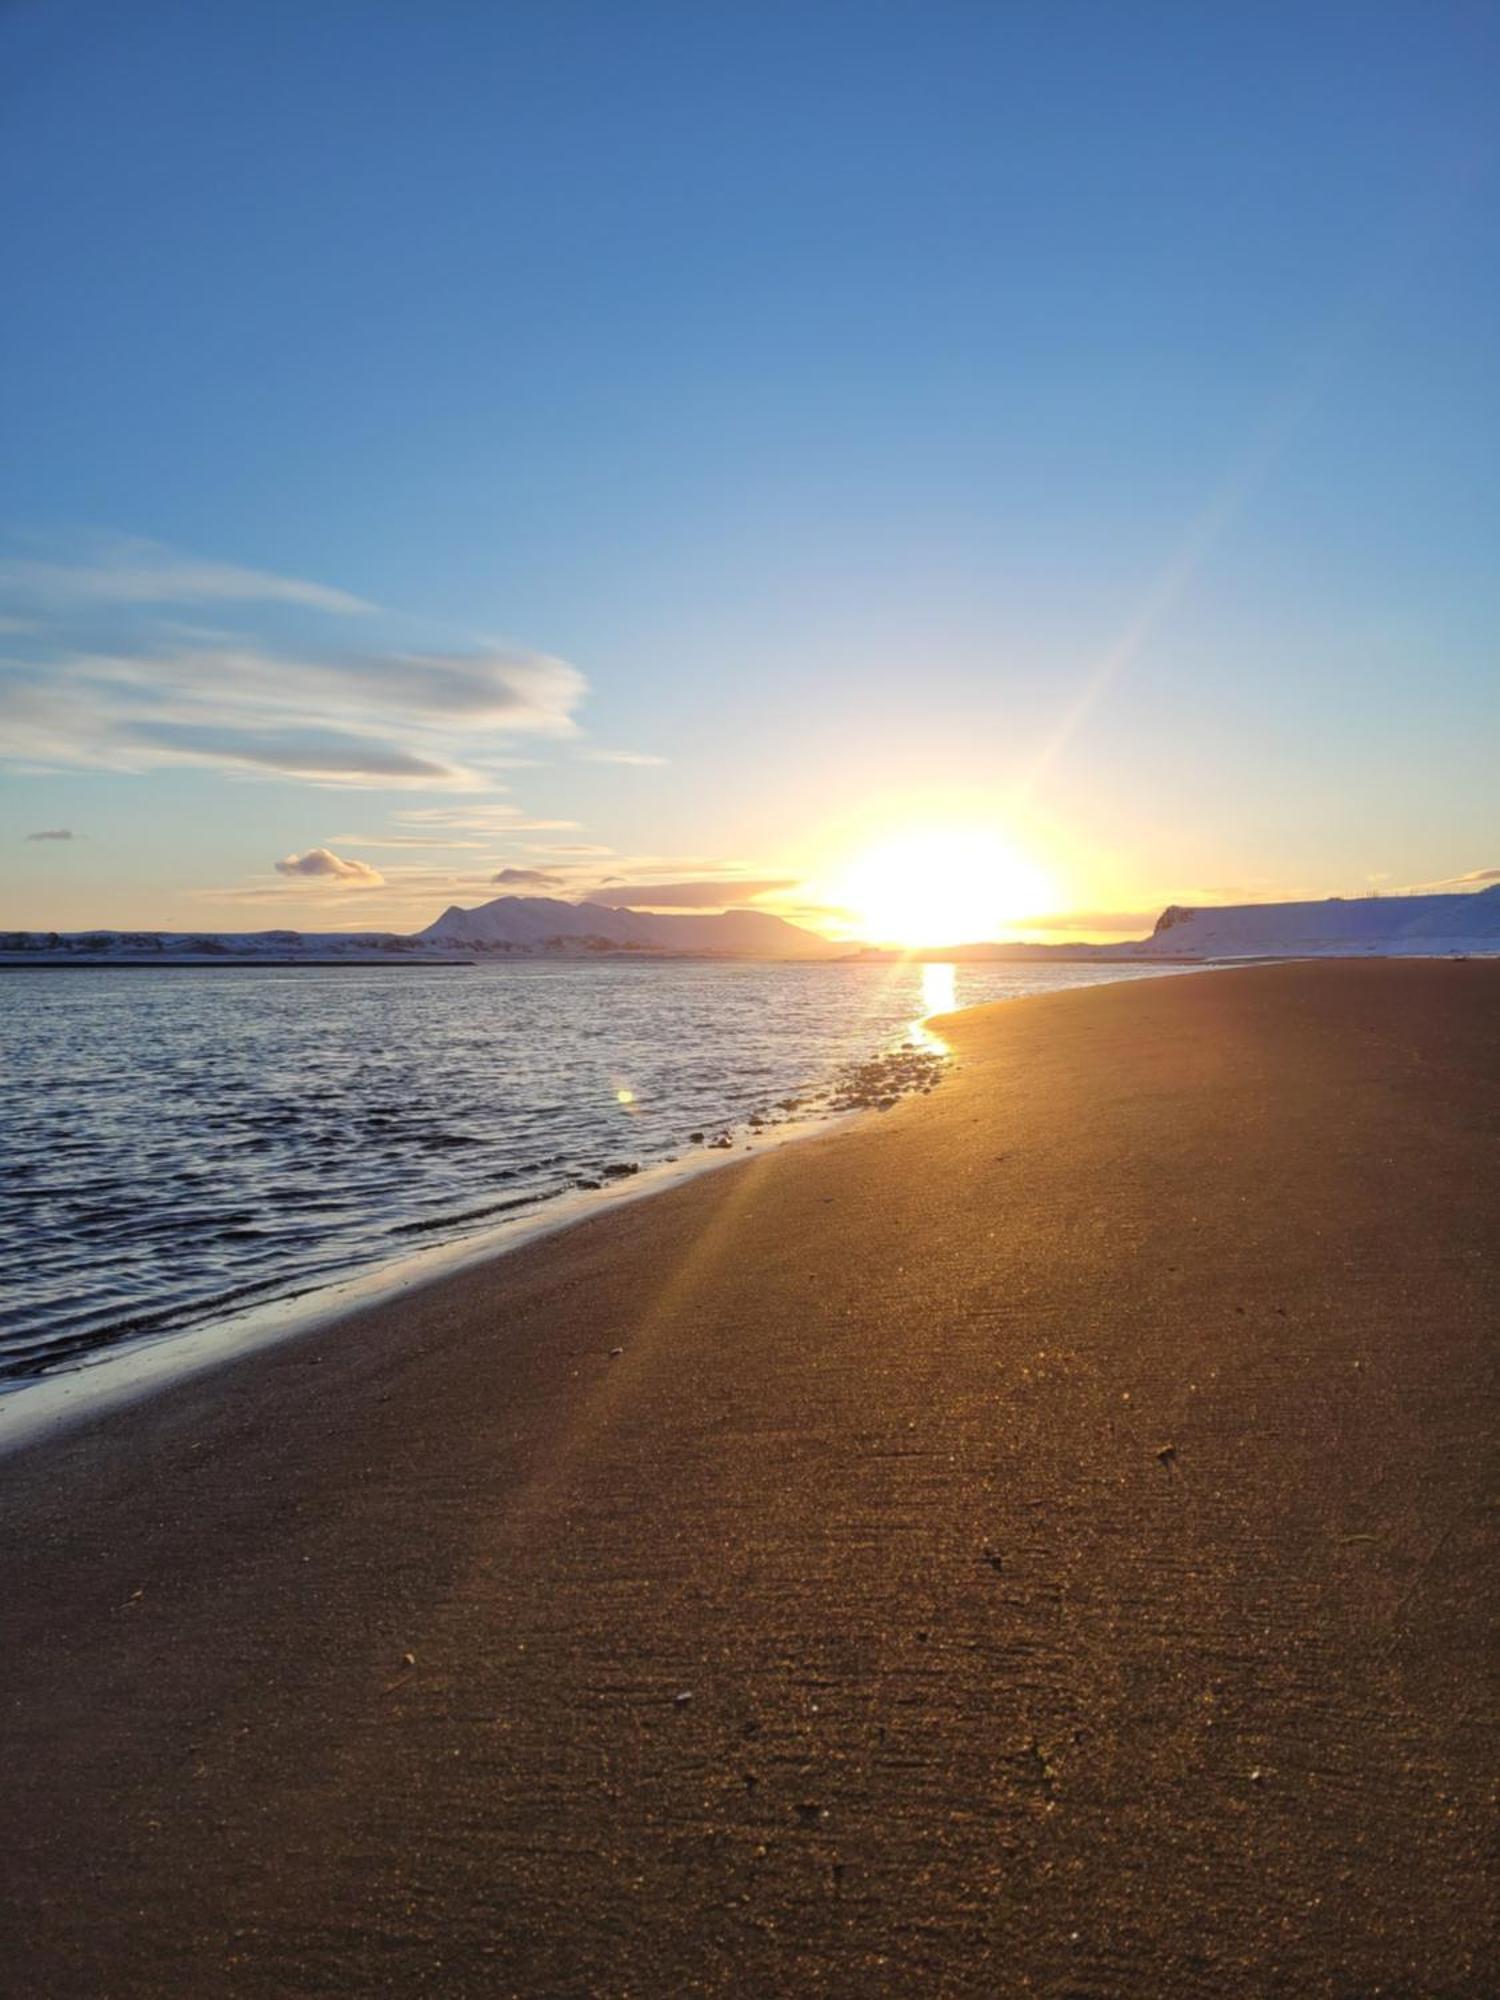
point(428, 1224)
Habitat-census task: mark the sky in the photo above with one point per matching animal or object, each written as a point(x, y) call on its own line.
point(1034, 462)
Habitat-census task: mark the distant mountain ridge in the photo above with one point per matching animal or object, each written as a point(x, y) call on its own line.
point(507, 927)
point(540, 926)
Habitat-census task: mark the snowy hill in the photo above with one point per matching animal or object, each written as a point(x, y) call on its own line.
point(539, 926)
point(539, 923)
point(1388, 925)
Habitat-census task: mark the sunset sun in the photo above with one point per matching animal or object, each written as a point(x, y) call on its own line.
point(941, 886)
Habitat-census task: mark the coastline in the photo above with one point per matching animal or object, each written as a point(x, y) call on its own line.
point(111, 1380)
point(1033, 1541)
point(114, 1376)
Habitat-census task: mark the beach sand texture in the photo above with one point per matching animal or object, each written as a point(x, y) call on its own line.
point(1036, 1540)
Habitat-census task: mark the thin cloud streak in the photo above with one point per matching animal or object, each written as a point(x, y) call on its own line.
point(397, 840)
point(142, 572)
point(725, 893)
point(137, 692)
point(497, 820)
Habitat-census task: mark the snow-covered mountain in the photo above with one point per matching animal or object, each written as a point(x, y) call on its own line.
point(1336, 928)
point(540, 923)
point(539, 926)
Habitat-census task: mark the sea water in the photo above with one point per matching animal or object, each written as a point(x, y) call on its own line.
point(182, 1143)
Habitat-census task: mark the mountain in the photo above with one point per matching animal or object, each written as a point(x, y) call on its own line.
point(524, 924)
point(536, 926)
point(1337, 928)
point(510, 926)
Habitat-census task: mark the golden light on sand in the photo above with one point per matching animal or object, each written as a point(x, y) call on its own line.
point(941, 885)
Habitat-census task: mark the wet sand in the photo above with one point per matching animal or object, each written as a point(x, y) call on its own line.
point(1039, 1539)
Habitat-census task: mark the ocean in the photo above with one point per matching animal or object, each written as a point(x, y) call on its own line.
point(182, 1144)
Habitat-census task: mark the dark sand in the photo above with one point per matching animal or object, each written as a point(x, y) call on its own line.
point(1067, 1500)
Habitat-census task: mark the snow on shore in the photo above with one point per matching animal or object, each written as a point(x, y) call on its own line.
point(539, 926)
point(1427, 926)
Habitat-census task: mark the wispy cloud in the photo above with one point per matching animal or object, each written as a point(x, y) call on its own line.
point(1477, 878)
point(131, 571)
point(500, 820)
point(407, 895)
point(1113, 923)
point(725, 893)
point(137, 692)
point(564, 847)
point(636, 757)
point(315, 897)
point(324, 865)
point(52, 833)
point(403, 840)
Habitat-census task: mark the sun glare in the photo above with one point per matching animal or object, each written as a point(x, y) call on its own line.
point(942, 886)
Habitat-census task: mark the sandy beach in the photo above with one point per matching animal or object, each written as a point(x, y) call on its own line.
point(1039, 1539)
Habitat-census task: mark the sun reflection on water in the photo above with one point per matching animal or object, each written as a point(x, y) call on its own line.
point(939, 996)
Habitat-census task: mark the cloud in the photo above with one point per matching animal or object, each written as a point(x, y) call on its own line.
point(321, 863)
point(130, 571)
point(1449, 885)
point(723, 894)
point(640, 757)
point(407, 840)
point(526, 878)
point(323, 755)
point(405, 899)
point(815, 912)
point(565, 847)
point(491, 819)
point(340, 720)
point(138, 692)
point(1122, 923)
point(52, 833)
point(487, 688)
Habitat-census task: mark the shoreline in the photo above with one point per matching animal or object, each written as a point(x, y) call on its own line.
point(113, 1379)
point(1039, 1541)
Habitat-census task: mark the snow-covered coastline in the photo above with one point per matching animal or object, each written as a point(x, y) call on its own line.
point(1337, 927)
point(542, 927)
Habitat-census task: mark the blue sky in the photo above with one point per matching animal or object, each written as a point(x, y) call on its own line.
point(1074, 421)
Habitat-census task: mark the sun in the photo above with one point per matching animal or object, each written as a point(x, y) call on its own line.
point(940, 886)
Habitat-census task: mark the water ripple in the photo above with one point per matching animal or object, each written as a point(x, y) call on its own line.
point(181, 1142)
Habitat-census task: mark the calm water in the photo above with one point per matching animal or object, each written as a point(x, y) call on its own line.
point(181, 1143)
